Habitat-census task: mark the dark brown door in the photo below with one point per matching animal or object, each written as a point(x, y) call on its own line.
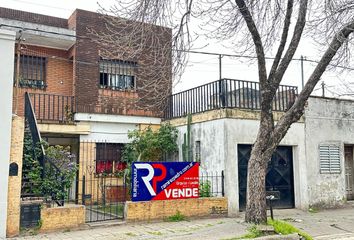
point(349, 169)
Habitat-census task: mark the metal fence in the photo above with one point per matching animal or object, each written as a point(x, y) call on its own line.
point(226, 93)
point(53, 108)
point(211, 184)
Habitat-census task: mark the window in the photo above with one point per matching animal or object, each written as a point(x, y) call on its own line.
point(197, 151)
point(117, 74)
point(32, 71)
point(108, 158)
point(330, 159)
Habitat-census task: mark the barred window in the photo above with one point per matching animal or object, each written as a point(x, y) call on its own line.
point(108, 157)
point(329, 159)
point(32, 71)
point(117, 74)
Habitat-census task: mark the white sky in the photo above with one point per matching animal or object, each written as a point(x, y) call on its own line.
point(203, 68)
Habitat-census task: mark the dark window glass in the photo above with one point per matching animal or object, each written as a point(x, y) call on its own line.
point(117, 74)
point(32, 71)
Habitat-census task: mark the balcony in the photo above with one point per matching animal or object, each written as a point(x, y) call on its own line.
point(226, 93)
point(51, 108)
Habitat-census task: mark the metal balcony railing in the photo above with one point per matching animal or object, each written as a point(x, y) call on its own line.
point(226, 93)
point(53, 108)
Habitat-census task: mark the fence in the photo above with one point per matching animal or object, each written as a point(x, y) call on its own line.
point(226, 93)
point(51, 107)
point(211, 184)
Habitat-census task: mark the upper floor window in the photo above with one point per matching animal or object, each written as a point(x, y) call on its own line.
point(118, 74)
point(32, 71)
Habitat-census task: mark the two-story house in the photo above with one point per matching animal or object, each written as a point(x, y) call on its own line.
point(84, 94)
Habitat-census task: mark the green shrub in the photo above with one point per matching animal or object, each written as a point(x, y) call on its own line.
point(176, 218)
point(205, 189)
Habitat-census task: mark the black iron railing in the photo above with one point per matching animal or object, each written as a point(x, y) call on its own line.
point(211, 184)
point(46, 164)
point(226, 93)
point(51, 107)
point(32, 125)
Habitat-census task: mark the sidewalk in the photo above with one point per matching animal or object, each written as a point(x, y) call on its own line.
point(329, 224)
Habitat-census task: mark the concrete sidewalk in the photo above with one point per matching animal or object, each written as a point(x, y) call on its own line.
point(329, 224)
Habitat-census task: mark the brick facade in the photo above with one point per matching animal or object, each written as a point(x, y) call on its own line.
point(59, 74)
point(76, 71)
point(192, 207)
point(89, 96)
point(14, 187)
point(33, 17)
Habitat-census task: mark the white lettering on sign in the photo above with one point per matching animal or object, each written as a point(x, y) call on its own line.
point(184, 192)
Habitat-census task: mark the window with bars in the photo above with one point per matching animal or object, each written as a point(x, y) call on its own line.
point(329, 159)
point(117, 74)
point(32, 71)
point(108, 158)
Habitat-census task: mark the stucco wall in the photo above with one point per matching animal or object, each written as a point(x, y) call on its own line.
point(219, 139)
point(243, 131)
point(327, 121)
point(7, 41)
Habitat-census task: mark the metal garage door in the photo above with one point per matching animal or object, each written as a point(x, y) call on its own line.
point(279, 175)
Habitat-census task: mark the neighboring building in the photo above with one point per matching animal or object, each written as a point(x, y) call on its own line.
point(82, 96)
point(313, 165)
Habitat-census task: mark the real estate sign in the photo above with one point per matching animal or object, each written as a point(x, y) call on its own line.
point(164, 180)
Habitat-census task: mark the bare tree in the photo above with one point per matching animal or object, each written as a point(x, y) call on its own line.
point(274, 27)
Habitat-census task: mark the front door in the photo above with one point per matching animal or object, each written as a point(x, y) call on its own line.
point(349, 168)
point(279, 176)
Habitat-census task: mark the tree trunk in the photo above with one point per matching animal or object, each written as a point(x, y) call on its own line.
point(256, 211)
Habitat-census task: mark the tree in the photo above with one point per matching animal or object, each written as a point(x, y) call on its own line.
point(275, 27)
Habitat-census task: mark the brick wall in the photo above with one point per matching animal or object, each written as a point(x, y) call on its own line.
point(33, 17)
point(62, 218)
point(158, 210)
point(87, 53)
point(81, 78)
point(59, 74)
point(14, 189)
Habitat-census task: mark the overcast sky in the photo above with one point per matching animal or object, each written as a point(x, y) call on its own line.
point(204, 68)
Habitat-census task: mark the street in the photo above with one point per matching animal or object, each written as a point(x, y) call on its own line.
point(326, 224)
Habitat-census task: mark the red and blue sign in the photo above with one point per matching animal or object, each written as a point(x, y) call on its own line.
point(164, 180)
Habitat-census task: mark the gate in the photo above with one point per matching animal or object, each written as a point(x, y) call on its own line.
point(279, 176)
point(102, 185)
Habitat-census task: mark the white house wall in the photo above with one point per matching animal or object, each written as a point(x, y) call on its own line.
point(327, 121)
point(109, 132)
point(7, 45)
point(244, 131)
point(219, 139)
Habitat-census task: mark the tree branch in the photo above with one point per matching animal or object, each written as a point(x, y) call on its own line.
point(294, 43)
point(284, 37)
point(296, 111)
point(262, 71)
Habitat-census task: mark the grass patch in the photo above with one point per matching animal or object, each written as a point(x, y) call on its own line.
point(155, 233)
point(176, 218)
point(131, 234)
point(285, 228)
point(116, 209)
point(313, 210)
point(253, 232)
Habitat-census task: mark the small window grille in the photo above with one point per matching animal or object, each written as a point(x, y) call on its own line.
point(32, 71)
point(330, 159)
point(117, 74)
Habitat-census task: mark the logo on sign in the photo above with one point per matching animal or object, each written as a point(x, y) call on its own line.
point(162, 181)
